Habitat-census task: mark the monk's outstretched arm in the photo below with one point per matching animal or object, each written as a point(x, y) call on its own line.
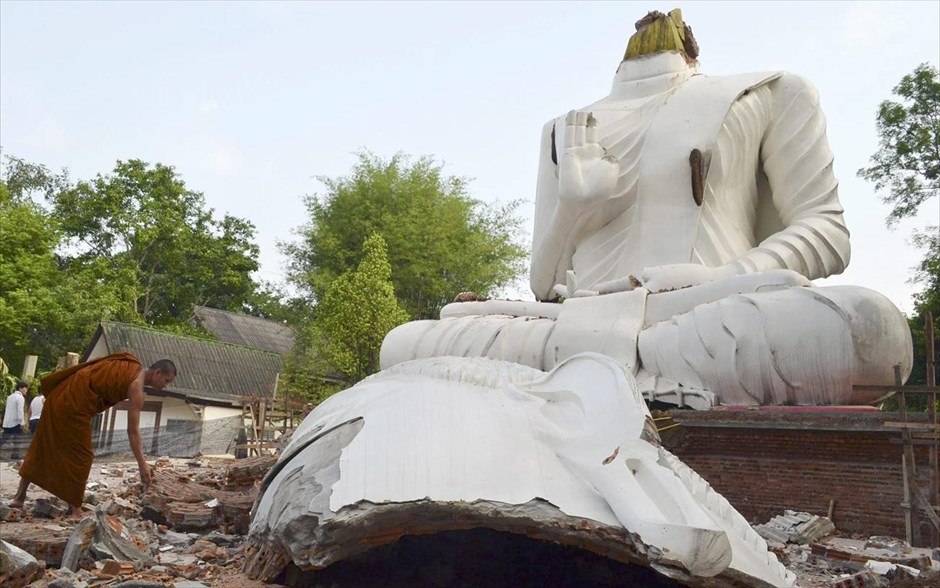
point(135, 396)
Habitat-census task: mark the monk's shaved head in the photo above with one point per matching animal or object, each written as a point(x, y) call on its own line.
point(164, 365)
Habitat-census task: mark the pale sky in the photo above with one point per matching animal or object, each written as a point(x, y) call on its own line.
point(251, 101)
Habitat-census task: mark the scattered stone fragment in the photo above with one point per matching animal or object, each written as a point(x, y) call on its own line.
point(840, 549)
point(119, 507)
point(173, 539)
point(78, 543)
point(114, 540)
point(63, 578)
point(110, 567)
point(246, 472)
point(891, 571)
point(221, 539)
point(18, 568)
point(892, 544)
point(7, 514)
point(44, 544)
point(795, 527)
point(863, 579)
point(50, 508)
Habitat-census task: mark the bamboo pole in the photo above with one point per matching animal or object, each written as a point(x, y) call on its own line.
point(910, 467)
point(906, 505)
point(932, 411)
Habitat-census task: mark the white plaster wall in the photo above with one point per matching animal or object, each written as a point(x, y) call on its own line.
point(173, 409)
point(99, 350)
point(210, 413)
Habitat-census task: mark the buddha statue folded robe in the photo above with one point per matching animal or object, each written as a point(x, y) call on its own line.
point(60, 456)
point(683, 218)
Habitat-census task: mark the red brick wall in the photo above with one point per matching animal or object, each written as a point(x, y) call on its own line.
point(765, 463)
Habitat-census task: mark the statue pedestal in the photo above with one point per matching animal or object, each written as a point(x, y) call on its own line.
point(768, 460)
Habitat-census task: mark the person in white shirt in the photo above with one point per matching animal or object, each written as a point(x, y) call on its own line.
point(14, 417)
point(35, 411)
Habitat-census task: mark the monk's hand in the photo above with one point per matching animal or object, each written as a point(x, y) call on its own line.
point(586, 174)
point(146, 475)
point(677, 276)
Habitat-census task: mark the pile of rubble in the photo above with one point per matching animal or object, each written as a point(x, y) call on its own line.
point(186, 530)
point(810, 547)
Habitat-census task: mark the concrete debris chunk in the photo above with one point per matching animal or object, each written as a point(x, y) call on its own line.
point(18, 568)
point(172, 538)
point(795, 527)
point(45, 544)
point(50, 508)
point(114, 540)
point(64, 578)
point(78, 543)
point(7, 514)
point(863, 579)
point(892, 544)
point(891, 571)
point(853, 551)
point(221, 539)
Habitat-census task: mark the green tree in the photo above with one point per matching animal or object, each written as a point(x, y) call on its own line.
point(907, 167)
point(46, 309)
point(143, 227)
point(907, 163)
point(356, 313)
point(440, 240)
point(927, 274)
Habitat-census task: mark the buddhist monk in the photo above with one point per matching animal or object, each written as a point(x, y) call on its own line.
point(59, 458)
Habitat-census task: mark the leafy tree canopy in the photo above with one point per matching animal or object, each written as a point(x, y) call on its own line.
point(135, 246)
point(143, 224)
point(907, 163)
point(440, 240)
point(356, 313)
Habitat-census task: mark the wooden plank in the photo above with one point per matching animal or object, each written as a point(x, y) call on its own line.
point(911, 469)
point(913, 389)
point(932, 415)
point(927, 508)
point(928, 442)
point(906, 505)
point(912, 426)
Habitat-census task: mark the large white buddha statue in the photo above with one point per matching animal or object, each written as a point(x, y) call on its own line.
point(682, 219)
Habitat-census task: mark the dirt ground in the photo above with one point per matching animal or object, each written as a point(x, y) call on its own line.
point(200, 562)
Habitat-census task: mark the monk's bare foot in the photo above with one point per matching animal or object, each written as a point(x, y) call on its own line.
point(17, 504)
point(77, 514)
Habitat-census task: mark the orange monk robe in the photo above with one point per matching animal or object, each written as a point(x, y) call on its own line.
point(60, 455)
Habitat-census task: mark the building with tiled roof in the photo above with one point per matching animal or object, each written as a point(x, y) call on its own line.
point(241, 329)
point(214, 381)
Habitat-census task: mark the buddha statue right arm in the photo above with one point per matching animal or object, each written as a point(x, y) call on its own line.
point(576, 177)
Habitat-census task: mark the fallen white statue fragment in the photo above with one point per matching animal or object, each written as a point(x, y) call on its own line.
point(571, 456)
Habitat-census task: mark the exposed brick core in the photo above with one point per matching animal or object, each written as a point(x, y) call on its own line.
point(764, 463)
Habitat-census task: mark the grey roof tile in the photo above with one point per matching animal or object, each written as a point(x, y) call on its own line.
point(250, 331)
point(210, 370)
